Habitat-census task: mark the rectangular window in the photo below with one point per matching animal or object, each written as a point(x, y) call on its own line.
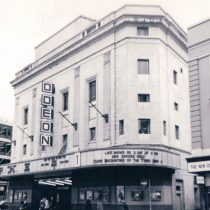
point(92, 91)
point(175, 77)
point(176, 106)
point(64, 144)
point(26, 116)
point(164, 128)
point(143, 66)
point(24, 149)
point(121, 127)
point(144, 126)
point(65, 101)
point(92, 134)
point(177, 132)
point(65, 139)
point(142, 31)
point(143, 98)
point(43, 148)
point(5, 131)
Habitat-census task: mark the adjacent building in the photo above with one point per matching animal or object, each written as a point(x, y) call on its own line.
point(199, 76)
point(5, 151)
point(103, 113)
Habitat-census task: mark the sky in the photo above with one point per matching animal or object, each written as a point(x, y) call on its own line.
point(26, 23)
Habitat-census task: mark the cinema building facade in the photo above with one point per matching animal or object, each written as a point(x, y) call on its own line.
point(105, 113)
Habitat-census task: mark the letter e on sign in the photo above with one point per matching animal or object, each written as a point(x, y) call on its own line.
point(46, 113)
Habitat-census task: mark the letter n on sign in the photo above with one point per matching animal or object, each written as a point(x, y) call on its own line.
point(46, 140)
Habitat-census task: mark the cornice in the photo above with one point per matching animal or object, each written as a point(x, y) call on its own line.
point(63, 51)
point(199, 44)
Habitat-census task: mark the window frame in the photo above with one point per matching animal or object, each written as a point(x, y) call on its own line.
point(65, 95)
point(121, 127)
point(24, 149)
point(141, 64)
point(25, 115)
point(176, 106)
point(177, 132)
point(92, 138)
point(64, 138)
point(175, 77)
point(164, 127)
point(140, 121)
point(141, 96)
point(92, 94)
point(142, 29)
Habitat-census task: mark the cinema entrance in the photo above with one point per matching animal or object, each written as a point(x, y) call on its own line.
point(31, 189)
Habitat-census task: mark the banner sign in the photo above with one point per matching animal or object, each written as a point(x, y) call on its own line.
point(199, 166)
point(200, 180)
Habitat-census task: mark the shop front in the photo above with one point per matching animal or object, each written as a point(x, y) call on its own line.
point(201, 167)
point(132, 177)
point(133, 186)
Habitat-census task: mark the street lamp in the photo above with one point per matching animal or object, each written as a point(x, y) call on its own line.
point(145, 183)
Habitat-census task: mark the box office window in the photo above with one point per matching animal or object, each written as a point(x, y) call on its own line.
point(144, 126)
point(143, 66)
point(92, 91)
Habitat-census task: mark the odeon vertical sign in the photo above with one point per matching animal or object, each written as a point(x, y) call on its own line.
point(47, 105)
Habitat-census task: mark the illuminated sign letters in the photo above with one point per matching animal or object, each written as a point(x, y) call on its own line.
point(46, 124)
point(46, 140)
point(48, 87)
point(46, 127)
point(46, 113)
point(47, 100)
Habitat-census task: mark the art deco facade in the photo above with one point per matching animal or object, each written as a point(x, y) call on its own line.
point(199, 74)
point(105, 113)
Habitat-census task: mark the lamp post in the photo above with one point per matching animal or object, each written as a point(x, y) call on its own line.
point(144, 183)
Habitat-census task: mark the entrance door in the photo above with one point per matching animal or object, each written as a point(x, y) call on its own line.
point(64, 199)
point(179, 202)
